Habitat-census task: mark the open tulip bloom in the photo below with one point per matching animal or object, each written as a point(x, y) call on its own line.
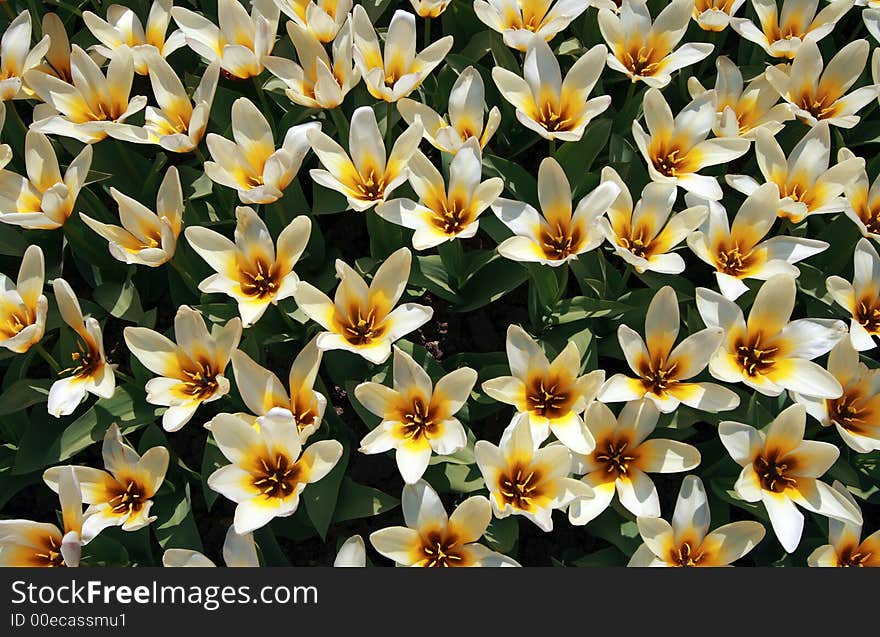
point(123, 494)
point(444, 213)
point(23, 306)
point(768, 353)
point(145, 237)
point(28, 543)
point(856, 413)
point(269, 468)
point(846, 547)
point(663, 369)
point(781, 470)
point(250, 164)
point(368, 175)
point(89, 371)
point(741, 108)
point(554, 107)
point(645, 235)
point(819, 95)
point(324, 19)
point(265, 395)
point(738, 251)
point(557, 236)
point(418, 417)
point(806, 184)
point(431, 538)
point(782, 32)
point(240, 42)
point(396, 71)
point(714, 15)
point(861, 298)
point(467, 99)
point(238, 551)
point(363, 319)
point(252, 271)
point(646, 51)
point(622, 459)
point(686, 542)
point(94, 105)
point(520, 21)
point(525, 480)
point(191, 371)
point(43, 200)
point(317, 81)
point(179, 122)
point(123, 27)
point(676, 149)
point(17, 57)
point(551, 396)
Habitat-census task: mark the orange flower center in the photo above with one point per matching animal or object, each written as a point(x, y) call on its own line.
point(867, 314)
point(753, 357)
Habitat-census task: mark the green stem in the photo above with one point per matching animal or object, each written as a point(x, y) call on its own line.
point(126, 159)
point(427, 40)
point(199, 155)
point(389, 109)
point(630, 91)
point(264, 104)
point(46, 356)
point(552, 147)
point(626, 275)
point(341, 123)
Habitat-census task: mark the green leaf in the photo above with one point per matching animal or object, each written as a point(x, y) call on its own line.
point(359, 501)
point(175, 526)
point(321, 498)
point(121, 300)
point(23, 393)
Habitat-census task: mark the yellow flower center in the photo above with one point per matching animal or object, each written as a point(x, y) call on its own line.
point(519, 486)
point(15, 321)
point(276, 477)
point(127, 498)
point(260, 280)
point(200, 381)
point(853, 556)
point(560, 242)
point(441, 550)
point(49, 554)
point(870, 216)
point(686, 555)
point(867, 314)
point(775, 472)
point(86, 361)
point(370, 187)
point(548, 397)
point(849, 411)
point(658, 376)
point(452, 216)
point(613, 455)
point(734, 260)
point(642, 60)
point(821, 105)
point(418, 420)
point(754, 358)
point(361, 328)
point(554, 118)
point(637, 242)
